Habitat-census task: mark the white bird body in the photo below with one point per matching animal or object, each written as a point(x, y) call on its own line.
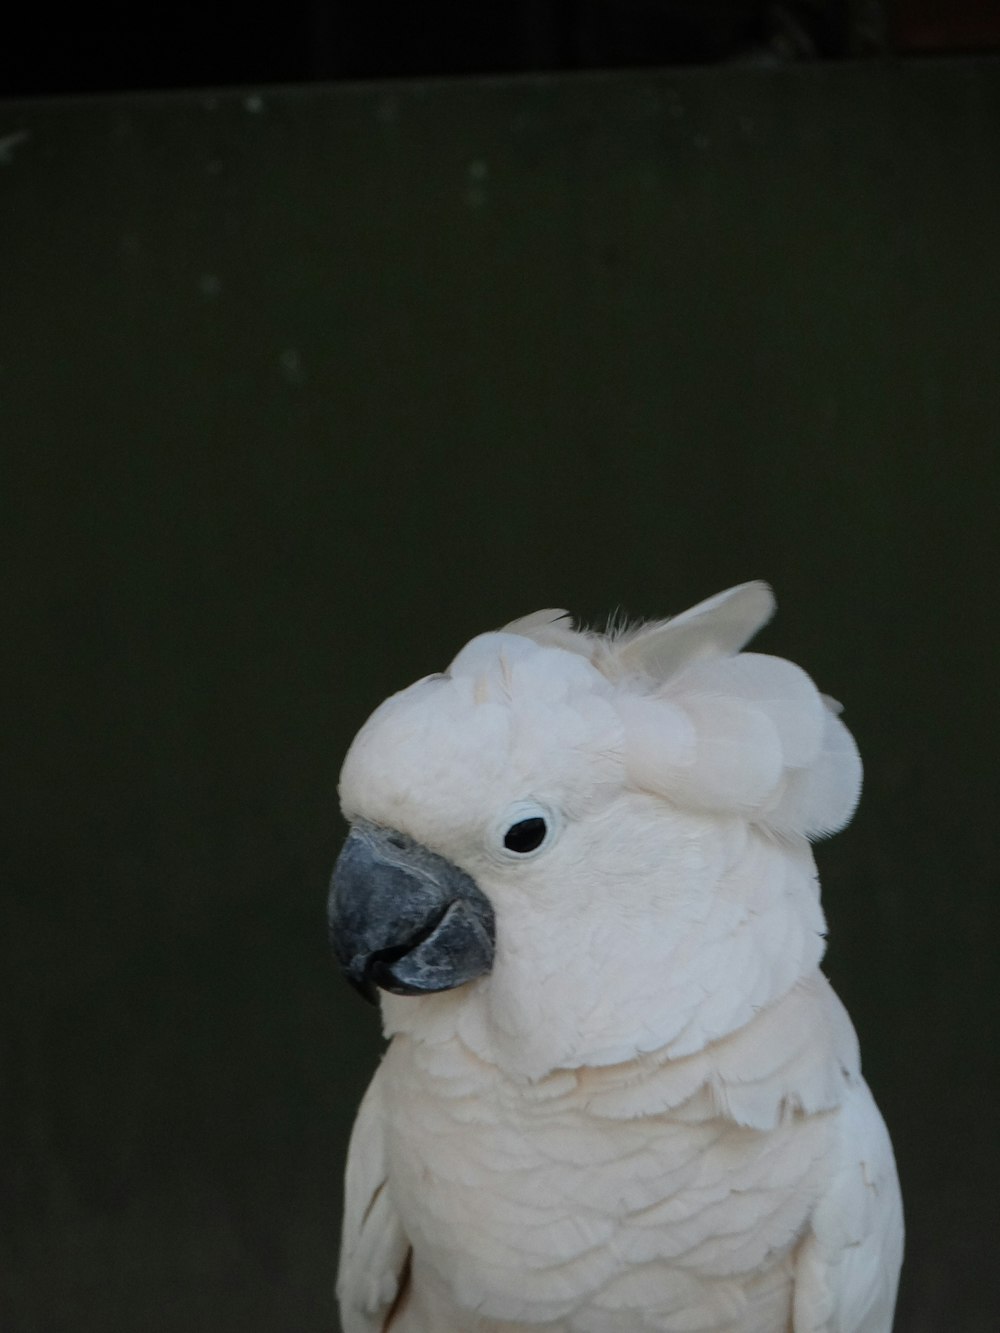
point(648, 1114)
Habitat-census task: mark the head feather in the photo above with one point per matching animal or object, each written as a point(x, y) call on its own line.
point(717, 627)
point(714, 728)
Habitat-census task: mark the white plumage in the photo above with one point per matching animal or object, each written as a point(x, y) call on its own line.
point(649, 1114)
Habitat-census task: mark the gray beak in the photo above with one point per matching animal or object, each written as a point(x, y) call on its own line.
point(405, 919)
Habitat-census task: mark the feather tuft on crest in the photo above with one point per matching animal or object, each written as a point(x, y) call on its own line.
point(714, 728)
point(717, 627)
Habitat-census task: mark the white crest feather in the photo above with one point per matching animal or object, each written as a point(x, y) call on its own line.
point(777, 755)
point(551, 629)
point(717, 627)
point(537, 622)
point(725, 730)
point(819, 800)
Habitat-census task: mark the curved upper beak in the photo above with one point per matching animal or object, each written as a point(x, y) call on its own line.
point(405, 919)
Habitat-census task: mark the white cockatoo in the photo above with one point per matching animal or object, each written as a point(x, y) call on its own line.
point(619, 1094)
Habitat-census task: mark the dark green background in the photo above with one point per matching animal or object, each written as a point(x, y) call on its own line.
point(299, 390)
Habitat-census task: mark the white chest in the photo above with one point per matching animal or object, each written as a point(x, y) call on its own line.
point(530, 1207)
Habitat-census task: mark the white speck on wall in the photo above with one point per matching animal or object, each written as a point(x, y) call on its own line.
point(210, 285)
point(254, 104)
point(476, 176)
point(8, 142)
point(387, 110)
point(292, 369)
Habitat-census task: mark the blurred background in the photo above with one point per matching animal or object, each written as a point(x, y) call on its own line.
point(300, 387)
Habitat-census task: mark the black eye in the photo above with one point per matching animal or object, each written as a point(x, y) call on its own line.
point(525, 835)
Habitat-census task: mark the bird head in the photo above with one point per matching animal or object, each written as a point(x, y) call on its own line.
point(572, 848)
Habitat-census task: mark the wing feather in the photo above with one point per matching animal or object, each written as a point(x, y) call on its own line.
point(374, 1248)
point(848, 1266)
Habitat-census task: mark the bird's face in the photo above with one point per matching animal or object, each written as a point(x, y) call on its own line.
point(498, 850)
point(465, 793)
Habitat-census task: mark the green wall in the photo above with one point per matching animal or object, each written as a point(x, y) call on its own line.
point(298, 390)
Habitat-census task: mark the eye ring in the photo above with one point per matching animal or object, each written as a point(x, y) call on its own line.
point(525, 829)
